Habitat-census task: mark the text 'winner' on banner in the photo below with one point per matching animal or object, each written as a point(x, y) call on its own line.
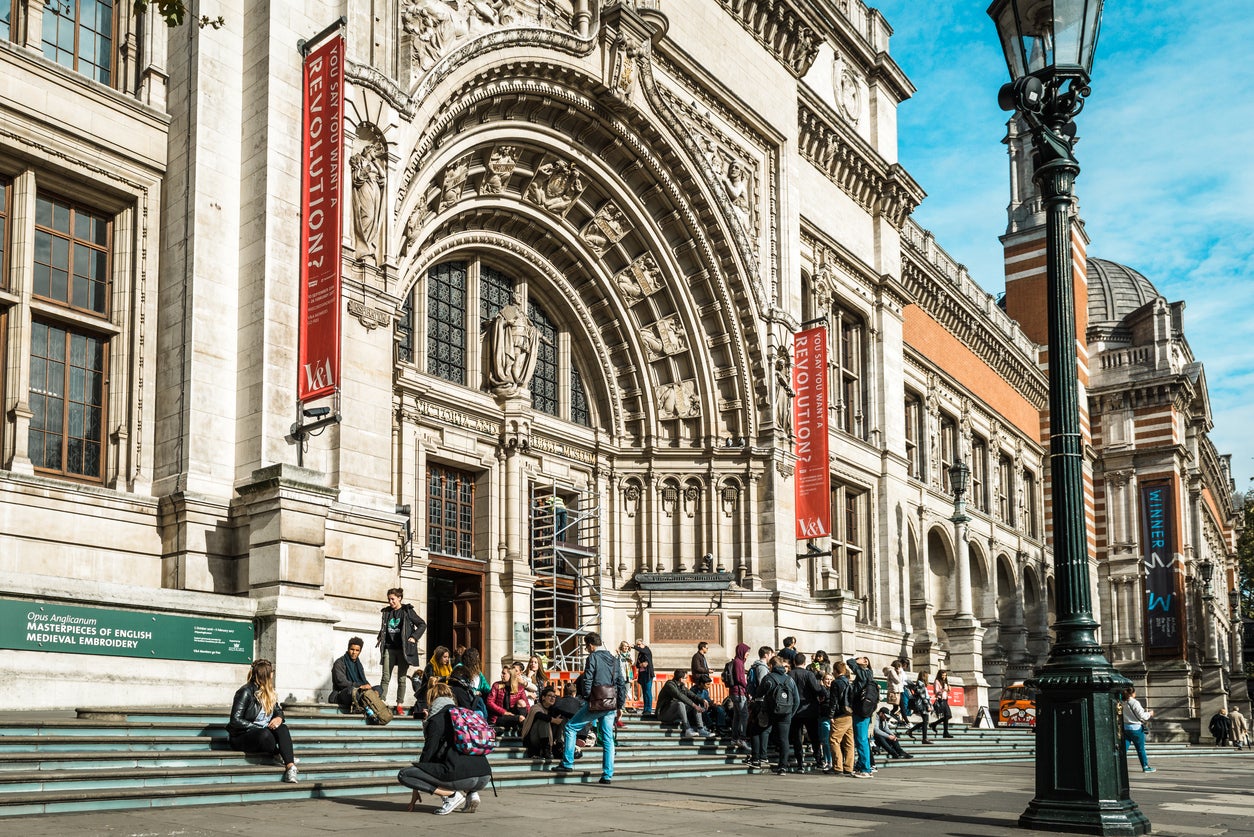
point(813, 483)
point(320, 219)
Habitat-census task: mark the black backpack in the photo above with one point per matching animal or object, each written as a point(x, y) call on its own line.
point(869, 698)
point(839, 696)
point(729, 675)
point(780, 699)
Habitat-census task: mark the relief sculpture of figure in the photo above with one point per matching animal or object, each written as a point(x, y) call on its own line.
point(368, 182)
point(434, 25)
point(555, 187)
point(736, 185)
point(513, 344)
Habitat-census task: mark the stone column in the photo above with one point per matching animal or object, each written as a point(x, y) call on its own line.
point(286, 511)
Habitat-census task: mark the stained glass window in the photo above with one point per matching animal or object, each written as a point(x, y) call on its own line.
point(579, 412)
point(544, 384)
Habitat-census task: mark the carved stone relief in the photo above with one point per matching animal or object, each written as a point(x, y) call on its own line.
point(452, 182)
point(555, 186)
point(848, 90)
point(606, 229)
point(500, 168)
point(678, 400)
point(513, 341)
point(639, 279)
point(783, 391)
point(436, 27)
point(663, 338)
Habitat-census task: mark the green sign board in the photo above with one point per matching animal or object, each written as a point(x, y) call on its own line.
point(39, 626)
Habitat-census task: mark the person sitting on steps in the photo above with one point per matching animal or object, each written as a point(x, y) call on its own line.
point(348, 677)
point(677, 704)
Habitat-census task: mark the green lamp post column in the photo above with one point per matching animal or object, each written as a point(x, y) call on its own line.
point(1081, 768)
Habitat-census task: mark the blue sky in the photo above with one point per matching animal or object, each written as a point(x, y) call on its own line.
point(1167, 180)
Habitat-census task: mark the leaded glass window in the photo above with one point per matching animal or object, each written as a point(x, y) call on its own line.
point(67, 375)
point(446, 321)
point(496, 290)
point(405, 331)
point(544, 395)
point(579, 412)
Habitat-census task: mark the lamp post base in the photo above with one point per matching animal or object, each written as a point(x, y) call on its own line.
point(1081, 766)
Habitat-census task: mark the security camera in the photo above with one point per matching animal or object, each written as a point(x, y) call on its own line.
point(316, 412)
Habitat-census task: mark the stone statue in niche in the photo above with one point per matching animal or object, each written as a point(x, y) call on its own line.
point(678, 400)
point(368, 167)
point(606, 229)
point(454, 179)
point(500, 168)
point(783, 390)
point(555, 186)
point(512, 347)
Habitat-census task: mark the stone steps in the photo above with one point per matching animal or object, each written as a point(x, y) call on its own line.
point(117, 758)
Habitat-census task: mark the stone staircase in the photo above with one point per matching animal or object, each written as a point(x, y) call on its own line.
point(111, 759)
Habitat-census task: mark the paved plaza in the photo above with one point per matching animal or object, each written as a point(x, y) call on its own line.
point(1188, 797)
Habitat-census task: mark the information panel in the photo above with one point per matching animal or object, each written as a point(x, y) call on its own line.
point(38, 626)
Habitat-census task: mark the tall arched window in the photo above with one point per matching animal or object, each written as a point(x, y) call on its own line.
point(544, 394)
point(446, 321)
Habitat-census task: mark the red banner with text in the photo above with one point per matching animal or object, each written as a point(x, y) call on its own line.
point(813, 482)
point(320, 218)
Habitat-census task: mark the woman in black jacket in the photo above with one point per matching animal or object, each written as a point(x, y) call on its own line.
point(453, 776)
point(256, 724)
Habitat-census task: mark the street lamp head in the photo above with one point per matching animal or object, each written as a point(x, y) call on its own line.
point(959, 476)
point(1049, 39)
point(1206, 568)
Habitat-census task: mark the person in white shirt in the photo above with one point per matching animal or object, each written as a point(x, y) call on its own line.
point(1134, 717)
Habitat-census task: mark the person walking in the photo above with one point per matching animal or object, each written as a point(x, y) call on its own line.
point(779, 700)
point(1221, 727)
point(605, 691)
point(895, 678)
point(920, 703)
point(940, 695)
point(400, 629)
point(1240, 734)
point(840, 711)
point(1134, 717)
point(645, 675)
point(256, 724)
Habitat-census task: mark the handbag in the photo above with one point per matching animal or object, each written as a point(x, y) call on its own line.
point(604, 698)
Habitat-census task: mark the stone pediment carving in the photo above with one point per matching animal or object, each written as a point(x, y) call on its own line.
point(781, 29)
point(881, 188)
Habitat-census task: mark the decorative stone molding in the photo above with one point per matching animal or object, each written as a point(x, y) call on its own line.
point(883, 189)
point(370, 318)
point(606, 229)
point(678, 400)
point(781, 29)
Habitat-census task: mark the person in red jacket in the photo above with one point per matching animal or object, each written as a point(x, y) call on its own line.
point(507, 702)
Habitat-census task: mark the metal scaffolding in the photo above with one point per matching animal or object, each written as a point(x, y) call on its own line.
point(565, 557)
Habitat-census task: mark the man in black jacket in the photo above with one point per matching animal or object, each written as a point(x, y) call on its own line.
point(645, 674)
point(602, 669)
point(677, 704)
point(811, 697)
point(779, 698)
point(348, 676)
point(400, 629)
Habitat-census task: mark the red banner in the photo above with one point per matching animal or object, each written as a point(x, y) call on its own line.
point(321, 213)
point(809, 381)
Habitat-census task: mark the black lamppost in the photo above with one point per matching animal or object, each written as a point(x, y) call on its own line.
point(1081, 770)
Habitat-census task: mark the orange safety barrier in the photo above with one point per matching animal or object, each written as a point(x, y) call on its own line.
point(635, 693)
